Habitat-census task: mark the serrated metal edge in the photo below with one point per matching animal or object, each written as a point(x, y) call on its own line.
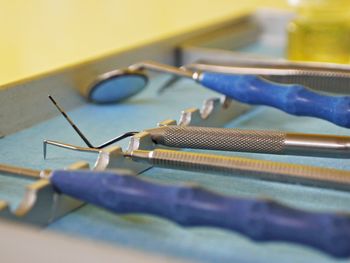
point(41, 204)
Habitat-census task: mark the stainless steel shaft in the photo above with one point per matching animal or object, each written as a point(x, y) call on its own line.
point(244, 167)
point(24, 172)
point(257, 141)
point(19, 171)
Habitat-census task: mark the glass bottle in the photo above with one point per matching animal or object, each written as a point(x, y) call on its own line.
point(320, 32)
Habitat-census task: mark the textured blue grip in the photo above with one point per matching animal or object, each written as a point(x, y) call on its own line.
point(293, 99)
point(261, 220)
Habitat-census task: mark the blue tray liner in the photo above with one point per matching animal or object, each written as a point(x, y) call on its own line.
point(155, 234)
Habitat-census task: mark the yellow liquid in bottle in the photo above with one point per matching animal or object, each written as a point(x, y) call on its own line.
point(320, 32)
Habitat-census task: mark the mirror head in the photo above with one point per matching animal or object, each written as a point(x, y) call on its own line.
point(117, 85)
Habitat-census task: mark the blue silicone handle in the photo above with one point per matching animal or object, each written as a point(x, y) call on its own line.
point(259, 219)
point(293, 99)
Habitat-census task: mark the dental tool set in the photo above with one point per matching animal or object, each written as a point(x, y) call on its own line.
point(113, 185)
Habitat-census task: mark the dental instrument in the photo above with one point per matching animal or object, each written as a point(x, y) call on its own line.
point(190, 205)
point(233, 139)
point(231, 166)
point(293, 99)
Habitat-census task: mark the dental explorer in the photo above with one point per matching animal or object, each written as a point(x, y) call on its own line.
point(232, 166)
point(239, 140)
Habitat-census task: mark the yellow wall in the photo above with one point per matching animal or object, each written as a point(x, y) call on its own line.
point(41, 35)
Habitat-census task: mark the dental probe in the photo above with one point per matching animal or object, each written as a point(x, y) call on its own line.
point(294, 99)
point(233, 166)
point(191, 205)
point(239, 140)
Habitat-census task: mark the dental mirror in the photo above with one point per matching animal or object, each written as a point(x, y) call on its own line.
point(117, 85)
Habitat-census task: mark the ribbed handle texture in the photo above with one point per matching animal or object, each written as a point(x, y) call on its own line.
point(245, 167)
point(293, 99)
point(261, 220)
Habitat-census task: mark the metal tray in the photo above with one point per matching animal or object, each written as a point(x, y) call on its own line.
point(22, 145)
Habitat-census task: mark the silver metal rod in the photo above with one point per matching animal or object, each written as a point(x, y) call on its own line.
point(23, 172)
point(317, 145)
point(269, 70)
point(158, 67)
point(67, 146)
point(256, 141)
point(244, 167)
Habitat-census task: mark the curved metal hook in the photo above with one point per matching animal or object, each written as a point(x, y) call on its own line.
point(82, 136)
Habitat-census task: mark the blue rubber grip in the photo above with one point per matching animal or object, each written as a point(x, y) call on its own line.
point(293, 99)
point(259, 219)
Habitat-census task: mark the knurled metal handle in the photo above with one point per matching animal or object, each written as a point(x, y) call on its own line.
point(240, 140)
point(244, 167)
